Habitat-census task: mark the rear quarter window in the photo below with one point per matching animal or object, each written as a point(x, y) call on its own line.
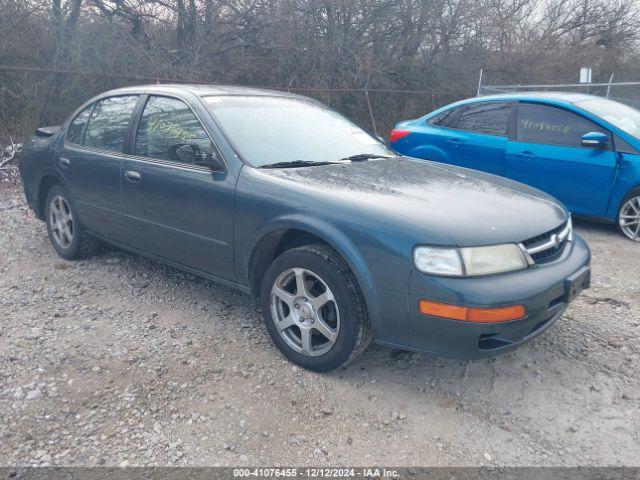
point(75, 132)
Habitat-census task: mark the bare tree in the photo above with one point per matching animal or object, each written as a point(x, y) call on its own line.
point(432, 45)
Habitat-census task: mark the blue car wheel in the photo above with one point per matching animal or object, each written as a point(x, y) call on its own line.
point(629, 215)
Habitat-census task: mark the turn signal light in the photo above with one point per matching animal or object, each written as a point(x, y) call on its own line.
point(472, 314)
point(398, 134)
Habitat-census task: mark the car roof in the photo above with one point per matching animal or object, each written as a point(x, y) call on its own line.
point(202, 90)
point(555, 97)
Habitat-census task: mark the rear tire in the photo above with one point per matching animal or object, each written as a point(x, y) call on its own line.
point(318, 317)
point(66, 234)
point(629, 215)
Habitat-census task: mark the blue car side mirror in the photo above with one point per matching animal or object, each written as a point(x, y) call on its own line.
point(595, 140)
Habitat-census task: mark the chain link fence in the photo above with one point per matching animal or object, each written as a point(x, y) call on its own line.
point(28, 99)
point(623, 92)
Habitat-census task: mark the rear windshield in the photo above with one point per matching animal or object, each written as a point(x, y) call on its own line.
point(268, 130)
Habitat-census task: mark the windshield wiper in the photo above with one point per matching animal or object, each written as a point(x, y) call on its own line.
point(363, 157)
point(360, 157)
point(296, 163)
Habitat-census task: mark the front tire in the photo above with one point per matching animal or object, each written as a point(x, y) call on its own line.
point(629, 215)
point(313, 308)
point(66, 234)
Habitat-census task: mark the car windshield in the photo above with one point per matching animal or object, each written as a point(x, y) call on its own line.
point(622, 116)
point(276, 130)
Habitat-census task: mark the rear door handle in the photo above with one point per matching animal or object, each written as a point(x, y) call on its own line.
point(64, 162)
point(454, 141)
point(132, 176)
point(526, 155)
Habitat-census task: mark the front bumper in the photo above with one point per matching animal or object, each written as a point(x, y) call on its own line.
point(544, 290)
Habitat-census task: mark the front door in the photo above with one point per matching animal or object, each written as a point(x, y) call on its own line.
point(546, 152)
point(174, 208)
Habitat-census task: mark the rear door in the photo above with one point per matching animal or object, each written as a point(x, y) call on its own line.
point(546, 152)
point(91, 158)
point(177, 210)
point(475, 135)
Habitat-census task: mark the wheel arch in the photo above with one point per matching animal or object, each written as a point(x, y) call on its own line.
point(633, 192)
point(429, 152)
point(295, 232)
point(47, 181)
point(618, 199)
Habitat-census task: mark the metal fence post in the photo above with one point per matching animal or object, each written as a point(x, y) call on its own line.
point(609, 86)
point(373, 120)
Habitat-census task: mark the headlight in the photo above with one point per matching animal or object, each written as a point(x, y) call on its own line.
point(469, 261)
point(494, 259)
point(441, 261)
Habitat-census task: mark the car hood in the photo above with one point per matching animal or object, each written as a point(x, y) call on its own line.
point(437, 202)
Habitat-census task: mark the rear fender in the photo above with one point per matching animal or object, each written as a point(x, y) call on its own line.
point(429, 152)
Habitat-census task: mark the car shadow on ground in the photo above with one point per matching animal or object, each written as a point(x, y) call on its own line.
point(376, 362)
point(595, 226)
point(547, 360)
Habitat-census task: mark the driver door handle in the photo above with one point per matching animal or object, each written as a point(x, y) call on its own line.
point(132, 175)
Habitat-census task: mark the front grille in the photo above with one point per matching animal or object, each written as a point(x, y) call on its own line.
point(540, 239)
point(549, 246)
point(549, 255)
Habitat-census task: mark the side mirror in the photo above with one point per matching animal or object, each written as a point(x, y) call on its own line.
point(191, 154)
point(214, 163)
point(186, 153)
point(595, 140)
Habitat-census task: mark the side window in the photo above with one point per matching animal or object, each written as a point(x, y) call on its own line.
point(75, 132)
point(109, 122)
point(540, 124)
point(446, 118)
point(623, 147)
point(485, 117)
point(168, 128)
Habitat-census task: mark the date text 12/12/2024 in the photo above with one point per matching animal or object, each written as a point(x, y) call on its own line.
point(315, 473)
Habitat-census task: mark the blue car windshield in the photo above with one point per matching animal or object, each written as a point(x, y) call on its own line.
point(624, 117)
point(270, 130)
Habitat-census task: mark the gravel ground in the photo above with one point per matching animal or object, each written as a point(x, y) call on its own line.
point(118, 360)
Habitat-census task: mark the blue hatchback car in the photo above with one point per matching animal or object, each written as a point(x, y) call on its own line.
point(583, 150)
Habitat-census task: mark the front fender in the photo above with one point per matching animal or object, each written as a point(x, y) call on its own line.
point(333, 237)
point(627, 179)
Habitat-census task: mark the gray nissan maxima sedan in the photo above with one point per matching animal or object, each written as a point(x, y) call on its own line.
point(342, 240)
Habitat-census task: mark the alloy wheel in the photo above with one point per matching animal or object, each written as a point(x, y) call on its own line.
point(61, 221)
point(305, 312)
point(630, 218)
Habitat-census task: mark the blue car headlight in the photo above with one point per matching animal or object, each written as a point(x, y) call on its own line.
point(469, 261)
